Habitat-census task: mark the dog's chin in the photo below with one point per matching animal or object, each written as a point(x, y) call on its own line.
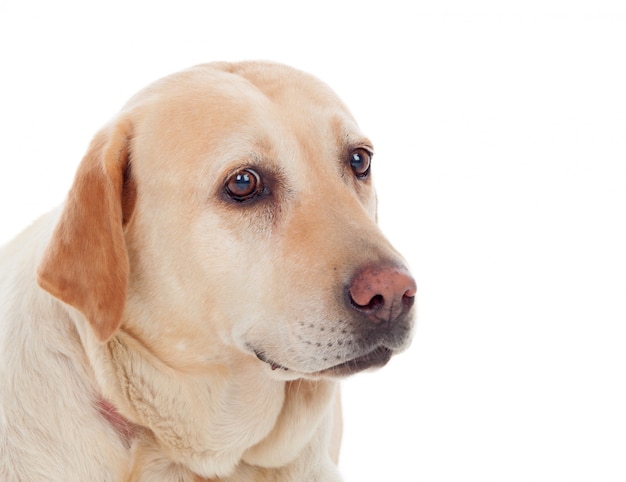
point(376, 358)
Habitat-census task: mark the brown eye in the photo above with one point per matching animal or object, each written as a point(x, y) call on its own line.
point(244, 185)
point(360, 161)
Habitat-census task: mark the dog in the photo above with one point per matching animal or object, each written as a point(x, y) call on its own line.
point(216, 269)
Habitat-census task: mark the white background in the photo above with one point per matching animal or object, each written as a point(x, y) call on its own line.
point(501, 167)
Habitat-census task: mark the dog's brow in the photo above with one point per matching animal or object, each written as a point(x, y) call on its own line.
point(354, 142)
point(356, 139)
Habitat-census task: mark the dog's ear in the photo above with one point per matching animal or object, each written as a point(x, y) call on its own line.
point(86, 263)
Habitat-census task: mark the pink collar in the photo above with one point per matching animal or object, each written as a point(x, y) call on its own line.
point(124, 428)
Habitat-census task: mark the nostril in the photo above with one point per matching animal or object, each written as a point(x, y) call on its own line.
point(409, 298)
point(412, 290)
point(376, 302)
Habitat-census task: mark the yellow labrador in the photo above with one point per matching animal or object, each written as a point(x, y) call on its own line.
point(216, 269)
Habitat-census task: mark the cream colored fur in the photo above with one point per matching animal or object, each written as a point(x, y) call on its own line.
point(151, 290)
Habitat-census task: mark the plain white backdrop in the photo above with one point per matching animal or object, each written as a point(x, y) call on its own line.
point(500, 135)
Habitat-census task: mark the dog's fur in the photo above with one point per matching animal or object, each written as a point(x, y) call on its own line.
point(153, 329)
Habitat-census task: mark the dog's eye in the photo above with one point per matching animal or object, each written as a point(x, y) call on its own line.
point(244, 185)
point(360, 162)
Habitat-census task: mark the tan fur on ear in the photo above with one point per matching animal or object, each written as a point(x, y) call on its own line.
point(86, 263)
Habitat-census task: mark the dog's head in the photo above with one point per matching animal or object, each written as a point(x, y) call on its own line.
point(228, 214)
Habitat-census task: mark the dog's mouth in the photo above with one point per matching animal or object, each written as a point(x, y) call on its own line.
point(374, 359)
point(273, 365)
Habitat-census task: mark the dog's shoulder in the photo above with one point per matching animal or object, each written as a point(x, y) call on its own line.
point(42, 362)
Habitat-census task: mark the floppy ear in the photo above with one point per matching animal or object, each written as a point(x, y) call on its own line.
point(86, 263)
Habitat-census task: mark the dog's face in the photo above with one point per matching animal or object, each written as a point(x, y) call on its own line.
point(249, 222)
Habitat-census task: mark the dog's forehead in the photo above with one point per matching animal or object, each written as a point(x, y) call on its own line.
point(227, 112)
point(230, 91)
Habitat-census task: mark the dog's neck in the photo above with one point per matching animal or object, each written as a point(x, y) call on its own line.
point(184, 414)
point(184, 411)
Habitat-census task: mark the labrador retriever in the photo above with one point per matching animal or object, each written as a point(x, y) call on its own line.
point(188, 312)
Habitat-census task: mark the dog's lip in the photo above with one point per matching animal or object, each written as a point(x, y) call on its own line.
point(265, 359)
point(376, 358)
